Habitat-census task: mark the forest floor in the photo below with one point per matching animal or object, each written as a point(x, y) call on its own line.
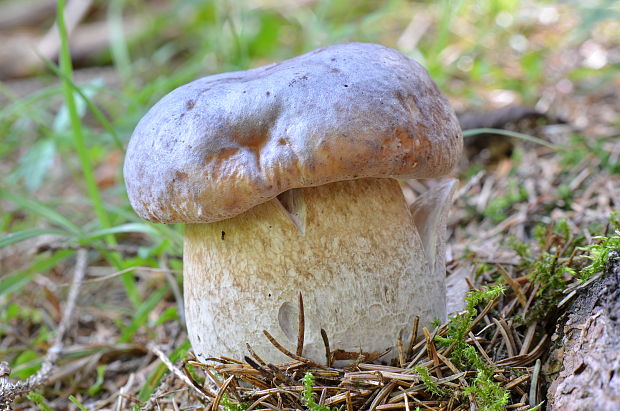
point(91, 309)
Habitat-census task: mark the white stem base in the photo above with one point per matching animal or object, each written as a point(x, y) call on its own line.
point(351, 248)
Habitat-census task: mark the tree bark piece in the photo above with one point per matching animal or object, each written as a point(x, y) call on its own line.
point(585, 365)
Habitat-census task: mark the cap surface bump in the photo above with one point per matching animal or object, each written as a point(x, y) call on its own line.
point(215, 147)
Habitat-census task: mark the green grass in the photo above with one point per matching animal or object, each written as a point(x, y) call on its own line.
point(77, 403)
point(155, 377)
point(83, 154)
point(76, 124)
point(508, 133)
point(39, 401)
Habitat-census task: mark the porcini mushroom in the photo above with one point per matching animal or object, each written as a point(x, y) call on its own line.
point(285, 177)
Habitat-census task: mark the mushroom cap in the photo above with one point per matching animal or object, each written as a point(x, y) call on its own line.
point(220, 145)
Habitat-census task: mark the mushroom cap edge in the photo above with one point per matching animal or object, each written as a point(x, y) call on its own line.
point(216, 147)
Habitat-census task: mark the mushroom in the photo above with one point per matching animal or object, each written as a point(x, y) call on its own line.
point(285, 176)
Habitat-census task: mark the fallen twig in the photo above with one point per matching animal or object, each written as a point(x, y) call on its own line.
point(12, 390)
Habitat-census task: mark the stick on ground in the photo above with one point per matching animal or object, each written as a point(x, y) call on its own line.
point(12, 390)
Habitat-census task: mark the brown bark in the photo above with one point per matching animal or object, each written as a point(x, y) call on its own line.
point(584, 367)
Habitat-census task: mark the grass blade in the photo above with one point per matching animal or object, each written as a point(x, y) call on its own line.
point(39, 401)
point(153, 381)
point(26, 106)
point(125, 228)
point(80, 147)
point(118, 43)
point(89, 103)
point(76, 125)
point(19, 279)
point(42, 210)
point(77, 403)
point(19, 236)
point(142, 312)
point(508, 133)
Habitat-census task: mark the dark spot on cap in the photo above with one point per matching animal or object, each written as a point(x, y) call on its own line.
point(267, 93)
point(346, 85)
point(190, 104)
point(281, 141)
point(223, 234)
point(180, 175)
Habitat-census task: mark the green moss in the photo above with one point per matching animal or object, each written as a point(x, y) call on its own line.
point(497, 207)
point(546, 274)
point(427, 380)
point(540, 234)
point(522, 249)
point(230, 406)
point(481, 268)
point(599, 253)
point(488, 394)
point(307, 394)
point(562, 228)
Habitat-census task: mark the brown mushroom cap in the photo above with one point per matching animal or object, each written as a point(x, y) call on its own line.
point(220, 145)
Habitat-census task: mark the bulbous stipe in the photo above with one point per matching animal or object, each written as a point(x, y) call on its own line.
point(352, 250)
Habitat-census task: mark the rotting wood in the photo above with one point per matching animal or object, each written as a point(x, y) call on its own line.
point(584, 367)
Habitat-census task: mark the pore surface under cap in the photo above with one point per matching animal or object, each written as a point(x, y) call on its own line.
point(216, 147)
